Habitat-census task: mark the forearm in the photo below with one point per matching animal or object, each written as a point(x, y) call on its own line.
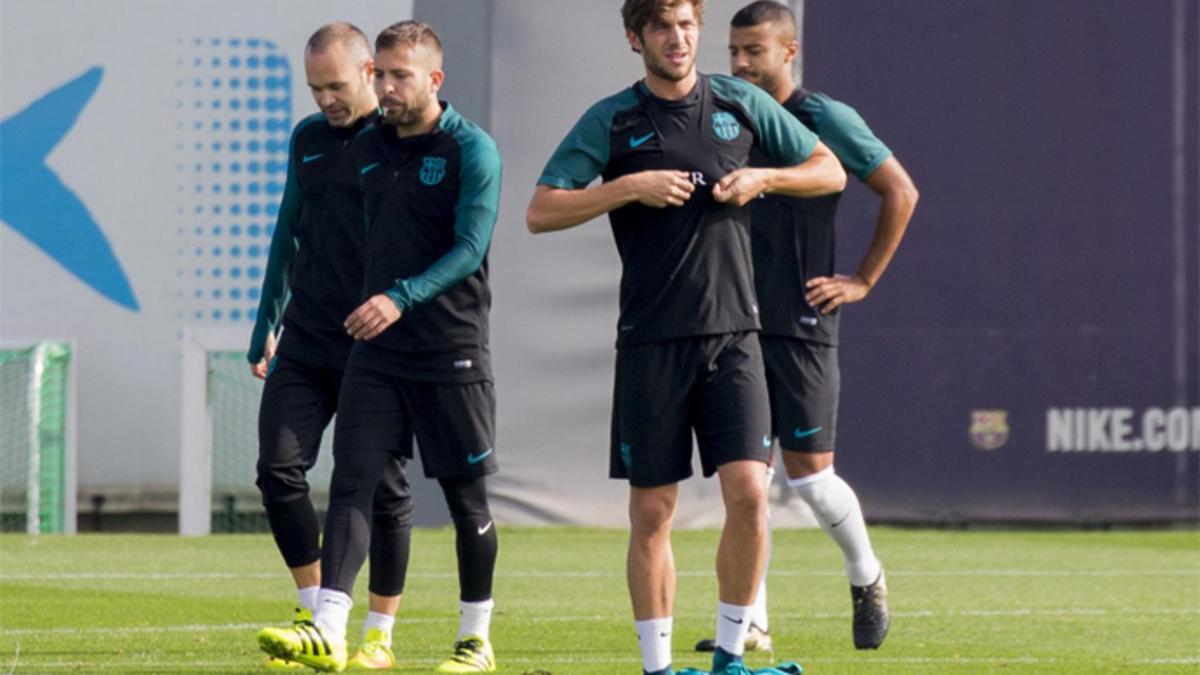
point(457, 264)
point(821, 174)
point(279, 263)
point(895, 211)
point(264, 326)
point(273, 295)
point(553, 209)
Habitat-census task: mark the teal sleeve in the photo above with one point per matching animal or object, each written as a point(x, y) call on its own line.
point(474, 220)
point(584, 153)
point(847, 134)
point(779, 134)
point(279, 262)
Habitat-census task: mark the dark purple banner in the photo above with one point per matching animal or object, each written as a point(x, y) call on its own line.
point(1032, 353)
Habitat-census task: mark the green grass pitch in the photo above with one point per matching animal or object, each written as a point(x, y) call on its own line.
point(962, 602)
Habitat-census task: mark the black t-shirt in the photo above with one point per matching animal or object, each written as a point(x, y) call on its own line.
point(430, 203)
point(793, 237)
point(314, 271)
point(686, 270)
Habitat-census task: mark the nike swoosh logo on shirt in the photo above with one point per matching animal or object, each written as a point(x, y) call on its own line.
point(635, 142)
point(312, 158)
point(367, 168)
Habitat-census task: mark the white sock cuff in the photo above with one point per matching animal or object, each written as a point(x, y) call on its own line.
point(475, 618)
point(654, 641)
point(482, 605)
point(329, 596)
point(863, 572)
point(758, 613)
point(817, 477)
point(333, 611)
point(308, 597)
point(733, 621)
point(384, 622)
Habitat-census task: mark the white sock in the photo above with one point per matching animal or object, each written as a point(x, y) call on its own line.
point(840, 515)
point(474, 618)
point(332, 612)
point(758, 611)
point(384, 622)
point(308, 597)
point(654, 639)
point(732, 623)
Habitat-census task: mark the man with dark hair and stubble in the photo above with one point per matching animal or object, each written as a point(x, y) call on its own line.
point(421, 365)
point(673, 152)
point(313, 280)
point(800, 296)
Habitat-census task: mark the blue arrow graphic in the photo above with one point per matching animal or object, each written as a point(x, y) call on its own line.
point(36, 203)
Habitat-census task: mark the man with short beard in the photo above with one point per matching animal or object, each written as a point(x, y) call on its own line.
point(793, 244)
point(316, 261)
point(673, 152)
point(420, 366)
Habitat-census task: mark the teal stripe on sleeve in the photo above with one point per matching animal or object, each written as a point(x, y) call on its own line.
point(584, 153)
point(780, 135)
point(847, 134)
point(474, 216)
point(275, 291)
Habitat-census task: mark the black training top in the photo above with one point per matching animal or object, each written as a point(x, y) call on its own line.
point(315, 265)
point(686, 270)
point(430, 204)
point(793, 238)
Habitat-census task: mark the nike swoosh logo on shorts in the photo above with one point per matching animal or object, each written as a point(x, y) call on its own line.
point(475, 459)
point(805, 433)
point(485, 528)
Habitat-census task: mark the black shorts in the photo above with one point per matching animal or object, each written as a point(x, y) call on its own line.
point(298, 401)
point(664, 391)
point(454, 424)
point(804, 381)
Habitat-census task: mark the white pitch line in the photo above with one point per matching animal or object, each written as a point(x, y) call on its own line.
point(171, 576)
point(570, 660)
point(402, 621)
point(150, 576)
point(1023, 660)
point(191, 628)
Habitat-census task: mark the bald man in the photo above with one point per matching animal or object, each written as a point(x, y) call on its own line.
point(313, 280)
point(420, 367)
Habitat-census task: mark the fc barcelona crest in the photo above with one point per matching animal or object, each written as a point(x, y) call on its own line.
point(725, 126)
point(989, 428)
point(433, 170)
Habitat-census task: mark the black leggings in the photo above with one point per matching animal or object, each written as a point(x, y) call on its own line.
point(298, 401)
point(356, 474)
